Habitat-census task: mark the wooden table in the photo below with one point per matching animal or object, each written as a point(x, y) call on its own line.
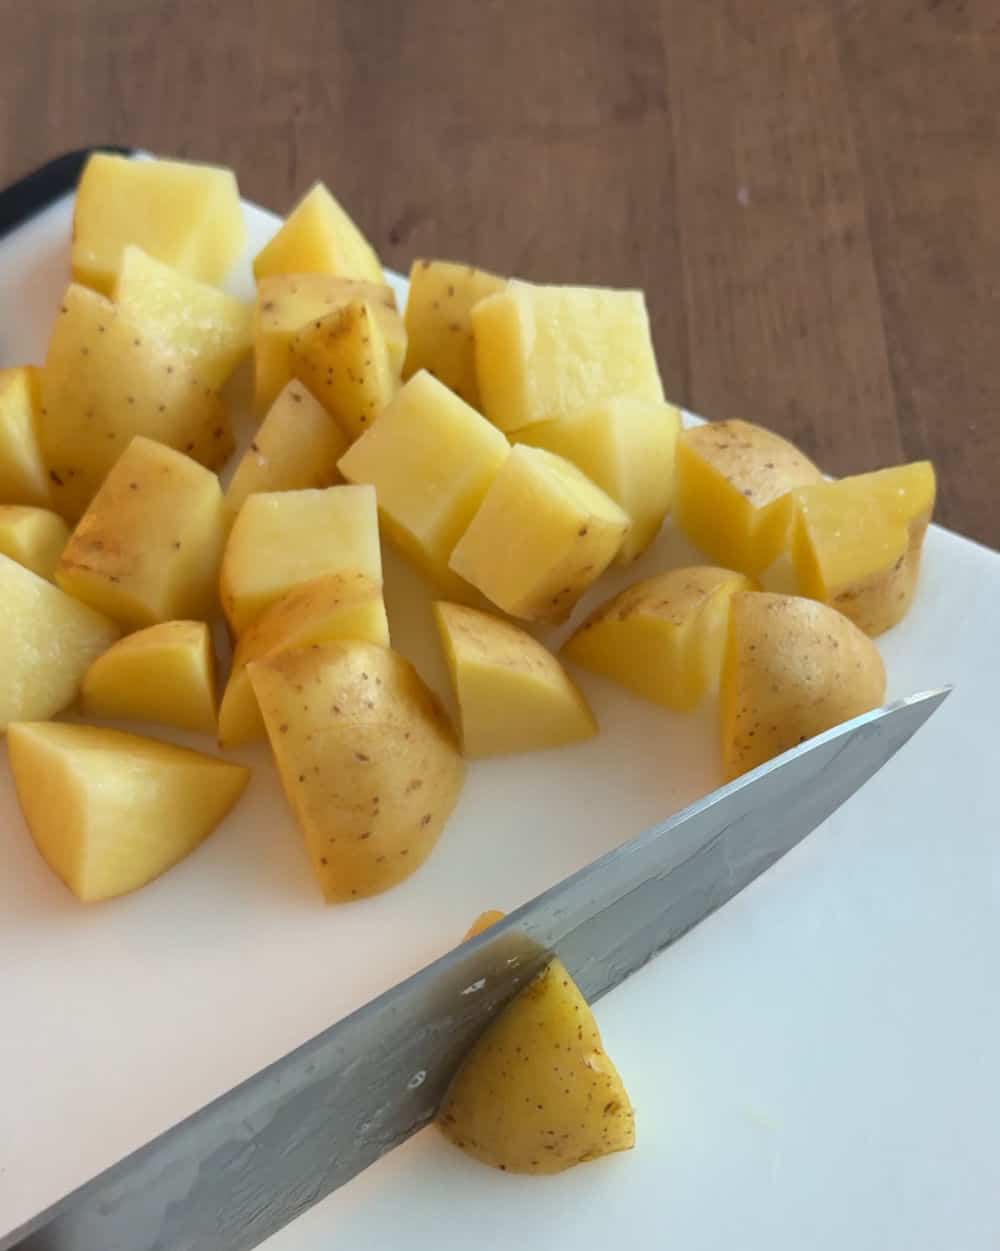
point(808, 190)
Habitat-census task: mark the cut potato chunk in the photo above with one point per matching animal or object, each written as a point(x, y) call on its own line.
point(23, 476)
point(283, 539)
point(187, 215)
point(513, 694)
point(49, 641)
point(431, 458)
point(149, 546)
point(792, 668)
point(107, 379)
point(339, 606)
point(626, 446)
point(318, 237)
point(538, 1093)
point(165, 673)
point(110, 811)
point(34, 537)
point(211, 328)
point(367, 758)
point(439, 323)
point(543, 533)
point(662, 637)
point(483, 922)
point(731, 491)
point(297, 445)
point(856, 543)
point(544, 352)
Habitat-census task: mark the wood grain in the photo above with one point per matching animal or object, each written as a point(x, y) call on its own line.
point(808, 190)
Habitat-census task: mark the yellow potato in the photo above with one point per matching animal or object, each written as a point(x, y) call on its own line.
point(165, 673)
point(856, 543)
point(48, 643)
point(283, 539)
point(792, 668)
point(24, 478)
point(439, 323)
point(662, 637)
point(107, 379)
point(543, 533)
point(367, 759)
point(339, 606)
point(544, 352)
point(187, 215)
point(513, 694)
point(34, 537)
point(431, 458)
point(149, 546)
point(626, 446)
point(731, 491)
point(483, 922)
point(537, 1093)
point(318, 237)
point(110, 811)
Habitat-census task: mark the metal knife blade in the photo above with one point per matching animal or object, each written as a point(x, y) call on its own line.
point(251, 1161)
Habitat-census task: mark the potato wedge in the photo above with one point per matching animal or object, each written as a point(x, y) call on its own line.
point(483, 922)
point(318, 237)
point(24, 478)
point(34, 537)
point(367, 758)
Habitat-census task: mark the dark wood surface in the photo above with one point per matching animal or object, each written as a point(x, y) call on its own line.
point(808, 190)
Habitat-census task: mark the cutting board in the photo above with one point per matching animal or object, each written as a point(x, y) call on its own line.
point(816, 1066)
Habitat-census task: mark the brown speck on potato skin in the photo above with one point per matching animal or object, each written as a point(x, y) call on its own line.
point(283, 728)
point(361, 758)
point(55, 478)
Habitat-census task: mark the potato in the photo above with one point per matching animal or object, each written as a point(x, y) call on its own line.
point(544, 352)
point(513, 695)
point(209, 327)
point(110, 811)
point(367, 759)
point(287, 302)
point(543, 533)
point(626, 446)
point(731, 491)
point(297, 445)
point(165, 673)
point(483, 922)
point(105, 380)
point(791, 669)
point(856, 543)
point(187, 215)
point(149, 546)
point(48, 643)
point(339, 606)
point(662, 637)
point(439, 323)
point(24, 478)
point(283, 539)
point(33, 537)
point(431, 458)
point(537, 1093)
point(318, 237)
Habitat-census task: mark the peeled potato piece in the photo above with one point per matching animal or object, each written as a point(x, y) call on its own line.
point(34, 537)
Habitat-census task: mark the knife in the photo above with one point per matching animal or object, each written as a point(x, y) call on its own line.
point(251, 1161)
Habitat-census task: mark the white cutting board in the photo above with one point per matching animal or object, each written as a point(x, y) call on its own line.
point(814, 1067)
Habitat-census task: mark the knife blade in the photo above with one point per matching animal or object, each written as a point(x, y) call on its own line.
point(241, 1168)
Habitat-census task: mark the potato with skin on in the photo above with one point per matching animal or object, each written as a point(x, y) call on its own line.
point(164, 674)
point(542, 535)
point(537, 1093)
point(483, 922)
point(856, 543)
point(431, 458)
point(49, 642)
point(625, 445)
point(513, 695)
point(24, 479)
point(109, 811)
point(107, 379)
point(318, 237)
point(662, 637)
point(731, 491)
point(791, 669)
point(338, 606)
point(438, 315)
point(149, 546)
point(367, 758)
point(284, 539)
point(34, 537)
point(185, 214)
